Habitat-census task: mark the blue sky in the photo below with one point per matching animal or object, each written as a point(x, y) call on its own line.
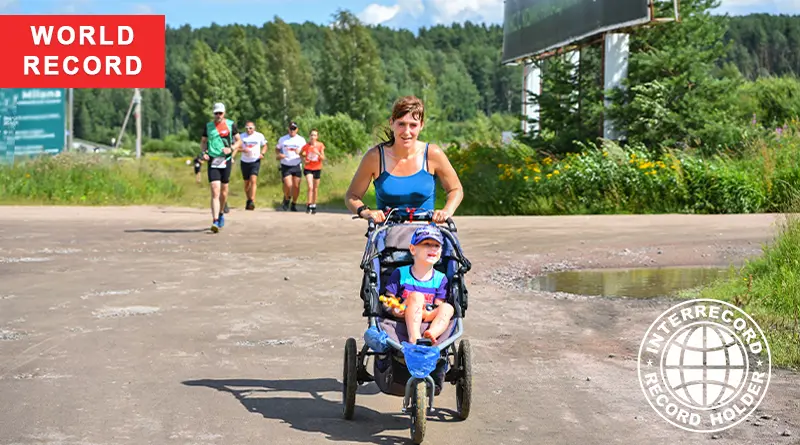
point(409, 14)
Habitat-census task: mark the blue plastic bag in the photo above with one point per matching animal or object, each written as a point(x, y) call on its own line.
point(420, 360)
point(376, 339)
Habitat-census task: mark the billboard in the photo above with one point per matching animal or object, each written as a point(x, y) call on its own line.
point(34, 121)
point(531, 27)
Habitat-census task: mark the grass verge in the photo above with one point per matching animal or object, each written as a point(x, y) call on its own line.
point(89, 179)
point(768, 288)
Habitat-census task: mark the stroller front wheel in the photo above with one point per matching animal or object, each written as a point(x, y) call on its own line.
point(350, 373)
point(419, 412)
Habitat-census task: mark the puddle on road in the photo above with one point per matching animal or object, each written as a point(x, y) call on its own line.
point(634, 283)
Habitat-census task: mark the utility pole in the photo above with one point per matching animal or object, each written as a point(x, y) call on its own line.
point(137, 99)
point(71, 134)
point(125, 122)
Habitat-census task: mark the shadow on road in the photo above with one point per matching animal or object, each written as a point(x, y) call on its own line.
point(166, 231)
point(315, 414)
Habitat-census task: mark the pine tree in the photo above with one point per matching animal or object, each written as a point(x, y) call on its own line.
point(674, 95)
point(210, 81)
point(289, 74)
point(354, 82)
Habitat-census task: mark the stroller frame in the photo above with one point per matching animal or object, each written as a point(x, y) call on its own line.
point(417, 393)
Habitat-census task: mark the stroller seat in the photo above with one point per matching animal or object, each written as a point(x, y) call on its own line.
point(397, 330)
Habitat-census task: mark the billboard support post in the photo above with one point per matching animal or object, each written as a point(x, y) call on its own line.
point(574, 59)
point(615, 70)
point(71, 112)
point(531, 82)
point(137, 98)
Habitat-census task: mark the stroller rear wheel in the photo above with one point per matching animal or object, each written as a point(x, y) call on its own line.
point(349, 383)
point(464, 384)
point(419, 412)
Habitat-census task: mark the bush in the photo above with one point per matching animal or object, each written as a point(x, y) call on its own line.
point(765, 176)
point(770, 101)
point(341, 134)
point(176, 145)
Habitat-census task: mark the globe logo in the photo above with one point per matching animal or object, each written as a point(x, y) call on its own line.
point(704, 365)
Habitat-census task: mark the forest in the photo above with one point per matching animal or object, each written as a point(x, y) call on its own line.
point(285, 71)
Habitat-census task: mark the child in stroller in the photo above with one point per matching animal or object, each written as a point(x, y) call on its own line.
point(422, 288)
point(417, 372)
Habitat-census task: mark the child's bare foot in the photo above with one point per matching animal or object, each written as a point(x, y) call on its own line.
point(427, 334)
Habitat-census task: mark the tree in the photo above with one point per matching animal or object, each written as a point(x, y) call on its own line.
point(456, 92)
point(210, 81)
point(672, 74)
point(256, 92)
point(354, 81)
point(289, 73)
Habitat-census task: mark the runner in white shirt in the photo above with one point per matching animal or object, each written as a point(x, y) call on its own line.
point(288, 153)
point(254, 146)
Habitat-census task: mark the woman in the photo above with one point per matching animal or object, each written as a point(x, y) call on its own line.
point(404, 170)
point(313, 154)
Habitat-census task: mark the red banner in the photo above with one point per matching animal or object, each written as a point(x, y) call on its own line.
point(83, 51)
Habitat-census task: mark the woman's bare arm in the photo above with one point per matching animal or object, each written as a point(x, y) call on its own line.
point(362, 178)
point(449, 179)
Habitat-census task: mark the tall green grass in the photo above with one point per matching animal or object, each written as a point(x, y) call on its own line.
point(88, 179)
point(93, 179)
point(768, 288)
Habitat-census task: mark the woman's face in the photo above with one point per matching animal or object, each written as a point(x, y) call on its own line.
point(406, 130)
point(313, 137)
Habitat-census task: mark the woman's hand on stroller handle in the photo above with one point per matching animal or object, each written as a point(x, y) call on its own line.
point(441, 216)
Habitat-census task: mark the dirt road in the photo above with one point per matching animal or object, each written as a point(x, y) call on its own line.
point(137, 326)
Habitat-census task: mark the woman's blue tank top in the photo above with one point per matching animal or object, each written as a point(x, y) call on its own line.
point(417, 191)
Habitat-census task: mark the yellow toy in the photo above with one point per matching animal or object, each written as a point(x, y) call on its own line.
point(393, 305)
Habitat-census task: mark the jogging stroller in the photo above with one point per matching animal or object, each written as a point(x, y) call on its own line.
point(386, 249)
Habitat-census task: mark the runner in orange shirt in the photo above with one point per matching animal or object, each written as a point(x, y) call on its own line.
point(313, 154)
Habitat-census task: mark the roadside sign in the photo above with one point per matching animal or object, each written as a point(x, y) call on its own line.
point(34, 121)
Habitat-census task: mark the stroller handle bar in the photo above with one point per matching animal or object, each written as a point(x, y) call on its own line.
point(411, 217)
point(422, 216)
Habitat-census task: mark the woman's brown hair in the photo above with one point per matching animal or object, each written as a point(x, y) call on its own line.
point(403, 106)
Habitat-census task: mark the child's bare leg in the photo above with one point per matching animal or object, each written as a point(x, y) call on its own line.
point(414, 306)
point(444, 313)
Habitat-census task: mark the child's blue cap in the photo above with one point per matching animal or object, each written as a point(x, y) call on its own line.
point(427, 232)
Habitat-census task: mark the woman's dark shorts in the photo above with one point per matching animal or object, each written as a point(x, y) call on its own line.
point(316, 173)
point(250, 169)
point(287, 170)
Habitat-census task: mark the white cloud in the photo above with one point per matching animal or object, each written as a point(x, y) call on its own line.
point(142, 8)
point(414, 8)
point(376, 14)
point(434, 12)
point(448, 11)
point(7, 5)
point(73, 7)
point(755, 6)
